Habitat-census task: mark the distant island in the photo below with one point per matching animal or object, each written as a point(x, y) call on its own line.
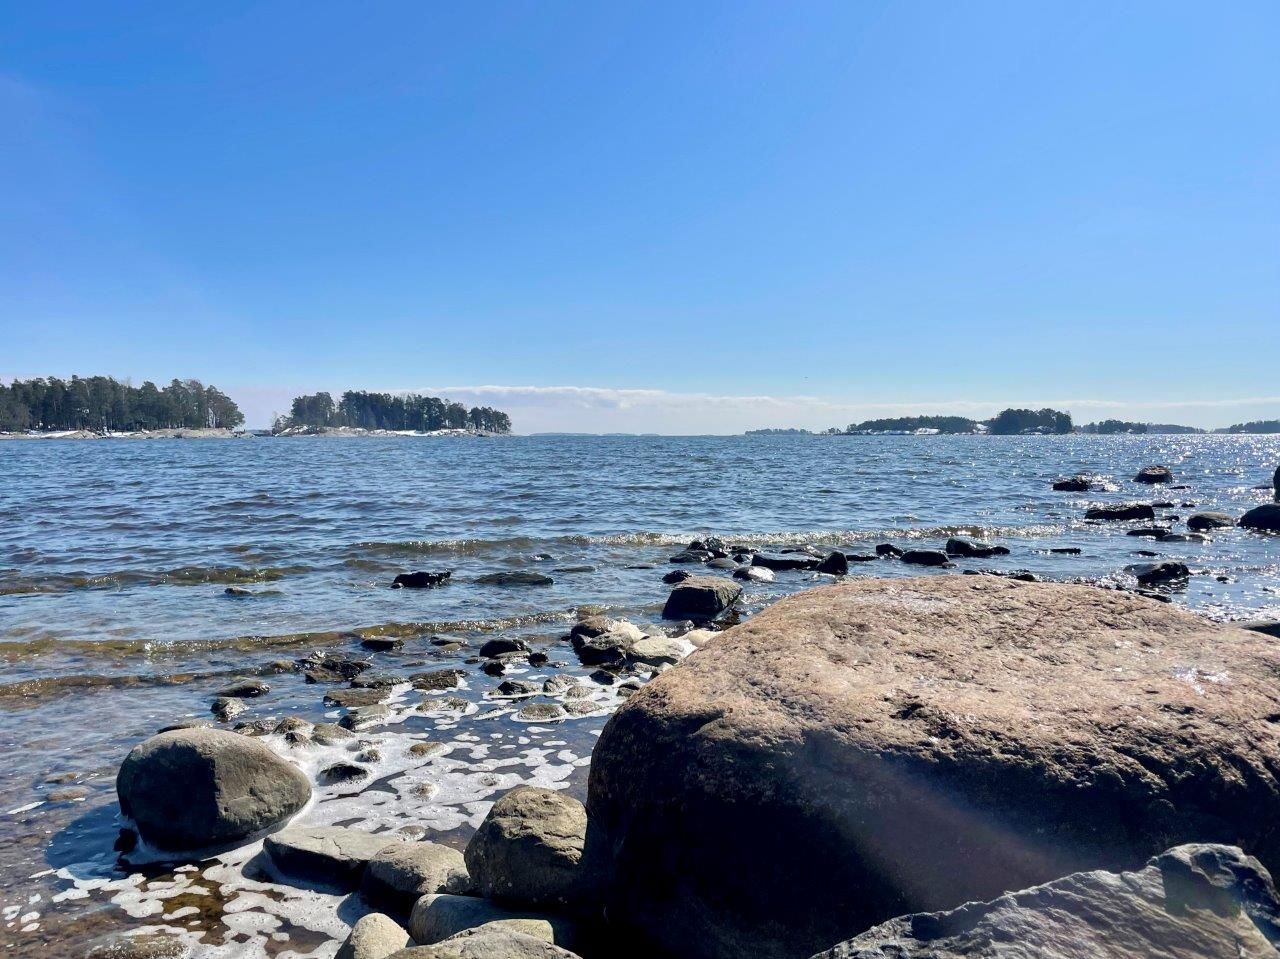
point(390, 412)
point(1257, 426)
point(1016, 422)
point(102, 404)
point(778, 432)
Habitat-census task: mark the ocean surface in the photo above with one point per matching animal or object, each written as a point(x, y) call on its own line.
point(115, 557)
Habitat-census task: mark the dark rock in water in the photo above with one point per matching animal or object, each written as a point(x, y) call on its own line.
point(1074, 484)
point(1145, 552)
point(226, 707)
point(332, 667)
point(1121, 511)
point(574, 569)
point(1265, 518)
point(237, 591)
point(515, 579)
point(381, 644)
point(860, 557)
point(609, 649)
point(437, 679)
point(640, 566)
point(1270, 627)
point(926, 557)
point(494, 667)
point(755, 574)
point(1162, 504)
point(599, 625)
point(701, 598)
point(1275, 484)
point(517, 688)
point(352, 698)
point(691, 556)
point(888, 551)
point(196, 788)
point(542, 712)
point(400, 873)
point(244, 689)
point(865, 750)
point(603, 677)
point(1184, 538)
point(531, 851)
point(503, 644)
point(377, 679)
point(340, 773)
point(676, 576)
point(1201, 901)
point(1152, 532)
point(332, 855)
point(364, 717)
point(1153, 475)
point(1021, 575)
point(421, 580)
point(538, 659)
point(1066, 550)
point(1210, 519)
point(1168, 571)
point(788, 561)
point(959, 546)
point(724, 563)
point(834, 564)
point(449, 642)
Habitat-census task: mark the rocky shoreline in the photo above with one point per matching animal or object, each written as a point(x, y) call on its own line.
point(836, 775)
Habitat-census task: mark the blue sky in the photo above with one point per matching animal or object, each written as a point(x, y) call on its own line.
point(679, 217)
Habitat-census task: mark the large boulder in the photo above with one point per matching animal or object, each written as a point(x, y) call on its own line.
point(861, 751)
point(529, 851)
point(701, 598)
point(1201, 901)
point(399, 874)
point(1153, 475)
point(1265, 517)
point(195, 788)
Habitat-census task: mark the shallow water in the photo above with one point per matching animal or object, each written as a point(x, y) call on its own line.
point(115, 557)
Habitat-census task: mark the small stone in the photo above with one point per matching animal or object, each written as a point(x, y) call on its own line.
point(503, 644)
point(245, 689)
point(352, 698)
point(341, 773)
point(437, 679)
point(542, 712)
point(399, 874)
point(381, 644)
point(374, 936)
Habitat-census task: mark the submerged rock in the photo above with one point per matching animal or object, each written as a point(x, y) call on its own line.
point(834, 563)
point(1079, 483)
point(332, 855)
point(530, 850)
point(244, 689)
point(1265, 518)
point(1168, 571)
point(754, 574)
point(701, 598)
point(1202, 901)
point(861, 751)
point(925, 557)
point(421, 580)
point(1154, 475)
point(959, 546)
point(195, 788)
point(1121, 511)
point(374, 936)
point(888, 551)
point(676, 576)
point(785, 562)
point(1210, 520)
point(503, 645)
point(515, 578)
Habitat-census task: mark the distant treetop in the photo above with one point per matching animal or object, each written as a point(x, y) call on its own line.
point(1256, 426)
point(103, 404)
point(389, 411)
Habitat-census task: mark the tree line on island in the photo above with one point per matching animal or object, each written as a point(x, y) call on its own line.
point(1019, 422)
point(389, 411)
point(103, 404)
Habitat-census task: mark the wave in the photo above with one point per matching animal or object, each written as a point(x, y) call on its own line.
point(16, 585)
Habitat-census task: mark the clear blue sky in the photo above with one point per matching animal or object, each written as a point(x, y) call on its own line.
point(757, 213)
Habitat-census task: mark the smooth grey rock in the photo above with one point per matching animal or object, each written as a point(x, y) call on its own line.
point(397, 875)
point(701, 598)
point(785, 562)
point(194, 788)
point(439, 917)
point(1166, 571)
point(754, 574)
point(1153, 475)
point(489, 944)
point(333, 855)
point(1192, 902)
point(1210, 519)
point(1121, 511)
point(657, 651)
point(245, 689)
point(1265, 517)
point(374, 936)
point(925, 557)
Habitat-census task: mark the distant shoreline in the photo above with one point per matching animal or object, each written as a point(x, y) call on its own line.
point(225, 434)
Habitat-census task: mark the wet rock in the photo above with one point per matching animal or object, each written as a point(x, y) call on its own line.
point(515, 579)
point(352, 698)
point(253, 727)
point(377, 679)
point(332, 667)
point(676, 576)
point(425, 749)
point(194, 788)
point(139, 946)
point(450, 642)
point(381, 644)
point(724, 563)
point(701, 598)
point(503, 644)
point(237, 592)
point(861, 557)
point(342, 773)
point(364, 717)
point(1203, 901)
point(926, 557)
point(487, 944)
point(920, 743)
point(691, 556)
point(1153, 475)
point(1210, 519)
point(542, 712)
point(441, 917)
point(396, 876)
point(374, 936)
point(960, 546)
point(437, 679)
point(754, 574)
point(596, 625)
point(421, 580)
point(657, 651)
point(834, 564)
point(888, 551)
point(1151, 532)
point(517, 688)
point(494, 667)
point(332, 855)
point(330, 734)
point(1149, 574)
point(66, 794)
point(574, 569)
point(226, 708)
point(1265, 518)
point(530, 850)
point(1121, 511)
point(787, 561)
point(1066, 550)
point(244, 689)
point(537, 659)
point(1145, 552)
point(1270, 627)
point(607, 649)
point(555, 685)
point(186, 724)
point(1184, 538)
point(1079, 483)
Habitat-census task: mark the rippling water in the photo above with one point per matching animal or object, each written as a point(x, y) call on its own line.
point(114, 620)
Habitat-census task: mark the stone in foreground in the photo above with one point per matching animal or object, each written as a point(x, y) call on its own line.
point(701, 598)
point(197, 788)
point(487, 944)
point(375, 936)
point(1265, 517)
point(1201, 901)
point(332, 855)
point(862, 751)
point(529, 851)
point(436, 918)
point(398, 875)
